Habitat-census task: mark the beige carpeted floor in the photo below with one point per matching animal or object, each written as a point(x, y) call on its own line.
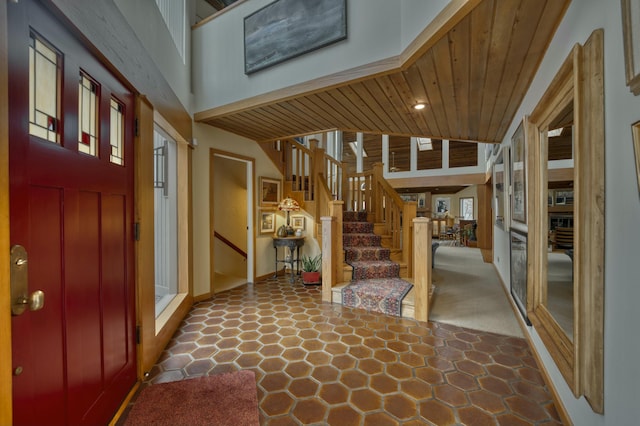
point(227, 282)
point(469, 293)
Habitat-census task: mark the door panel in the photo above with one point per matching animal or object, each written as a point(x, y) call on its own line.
point(41, 381)
point(115, 313)
point(82, 301)
point(74, 214)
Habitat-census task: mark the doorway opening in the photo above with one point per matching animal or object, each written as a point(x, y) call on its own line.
point(232, 215)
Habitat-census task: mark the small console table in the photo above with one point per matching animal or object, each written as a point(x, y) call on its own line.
point(291, 243)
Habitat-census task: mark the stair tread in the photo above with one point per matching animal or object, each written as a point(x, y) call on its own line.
point(409, 299)
point(372, 262)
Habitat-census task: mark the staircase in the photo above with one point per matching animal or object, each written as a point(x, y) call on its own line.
point(324, 190)
point(371, 270)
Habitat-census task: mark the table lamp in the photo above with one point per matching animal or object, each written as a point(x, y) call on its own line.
point(289, 205)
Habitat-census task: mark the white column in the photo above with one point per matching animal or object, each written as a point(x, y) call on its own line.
point(359, 145)
point(330, 145)
point(445, 154)
point(385, 155)
point(414, 154)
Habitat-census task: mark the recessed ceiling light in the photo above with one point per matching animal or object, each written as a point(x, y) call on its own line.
point(419, 106)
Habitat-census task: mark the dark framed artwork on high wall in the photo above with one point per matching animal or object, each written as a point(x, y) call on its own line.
point(635, 130)
point(285, 29)
point(518, 281)
point(519, 175)
point(631, 39)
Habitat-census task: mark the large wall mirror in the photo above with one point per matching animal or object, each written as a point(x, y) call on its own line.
point(566, 222)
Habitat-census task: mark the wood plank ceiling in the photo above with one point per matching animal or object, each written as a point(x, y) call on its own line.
point(473, 78)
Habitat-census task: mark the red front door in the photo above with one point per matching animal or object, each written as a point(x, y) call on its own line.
point(71, 208)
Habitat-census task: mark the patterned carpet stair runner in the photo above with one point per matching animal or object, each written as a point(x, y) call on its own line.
point(376, 284)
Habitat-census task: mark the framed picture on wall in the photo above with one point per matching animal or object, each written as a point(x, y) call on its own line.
point(421, 201)
point(270, 192)
point(285, 29)
point(409, 197)
point(518, 287)
point(519, 175)
point(500, 188)
point(297, 222)
point(635, 128)
point(443, 205)
point(631, 39)
point(267, 223)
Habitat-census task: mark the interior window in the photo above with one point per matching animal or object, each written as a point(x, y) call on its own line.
point(466, 208)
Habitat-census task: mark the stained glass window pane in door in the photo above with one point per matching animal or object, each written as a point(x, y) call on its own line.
point(117, 133)
point(44, 87)
point(88, 98)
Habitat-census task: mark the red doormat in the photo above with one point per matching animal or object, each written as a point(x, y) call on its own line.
point(225, 399)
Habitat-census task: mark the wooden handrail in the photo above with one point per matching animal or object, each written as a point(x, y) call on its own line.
point(299, 167)
point(230, 244)
point(369, 191)
point(333, 174)
point(377, 172)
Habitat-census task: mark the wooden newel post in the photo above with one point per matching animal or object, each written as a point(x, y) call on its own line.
point(409, 212)
point(329, 277)
point(378, 175)
point(422, 266)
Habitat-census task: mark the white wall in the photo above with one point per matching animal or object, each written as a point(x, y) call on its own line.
point(146, 21)
point(622, 233)
point(416, 15)
point(375, 30)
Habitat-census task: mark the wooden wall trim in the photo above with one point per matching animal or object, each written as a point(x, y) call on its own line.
point(144, 207)
point(593, 207)
point(559, 175)
point(373, 69)
point(485, 217)
point(452, 180)
point(5, 292)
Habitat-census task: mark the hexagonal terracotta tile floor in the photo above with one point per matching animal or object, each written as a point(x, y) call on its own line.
point(318, 363)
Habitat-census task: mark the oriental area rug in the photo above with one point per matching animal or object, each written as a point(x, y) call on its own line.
point(376, 284)
point(382, 295)
point(228, 399)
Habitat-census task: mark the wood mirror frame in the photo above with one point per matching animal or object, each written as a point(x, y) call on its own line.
point(580, 79)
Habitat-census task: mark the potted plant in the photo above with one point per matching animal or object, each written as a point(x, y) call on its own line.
point(311, 269)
